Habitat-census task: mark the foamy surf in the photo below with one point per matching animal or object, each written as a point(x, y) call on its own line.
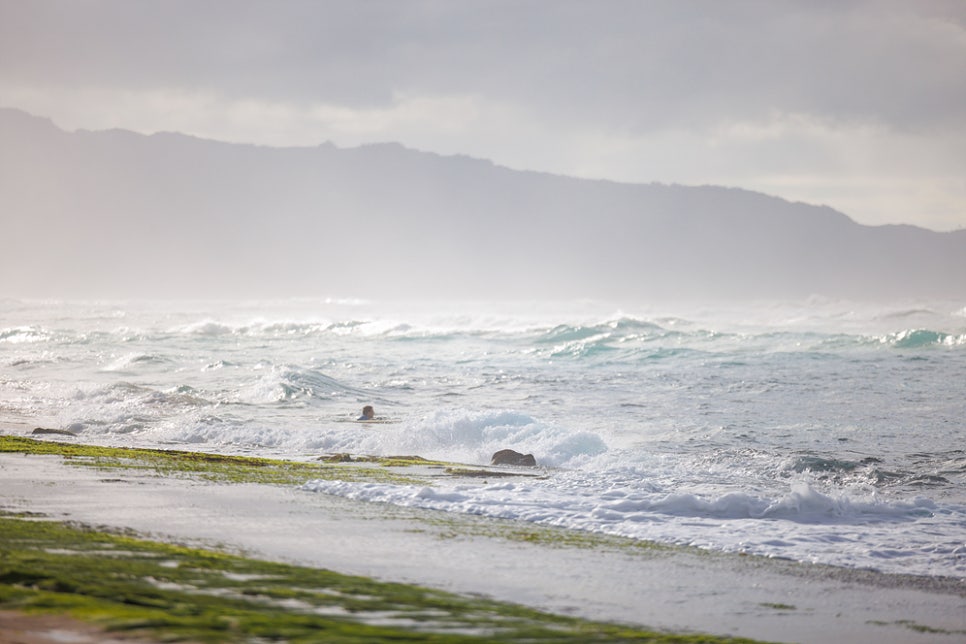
point(820, 431)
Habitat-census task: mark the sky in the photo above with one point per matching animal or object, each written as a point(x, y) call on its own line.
point(858, 105)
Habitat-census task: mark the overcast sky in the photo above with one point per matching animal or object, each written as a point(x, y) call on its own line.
point(857, 105)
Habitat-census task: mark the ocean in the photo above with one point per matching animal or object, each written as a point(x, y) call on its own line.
point(818, 431)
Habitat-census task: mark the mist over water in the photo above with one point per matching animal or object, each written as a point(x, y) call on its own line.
point(820, 431)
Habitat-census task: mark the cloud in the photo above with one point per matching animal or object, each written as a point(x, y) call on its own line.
point(694, 92)
point(639, 65)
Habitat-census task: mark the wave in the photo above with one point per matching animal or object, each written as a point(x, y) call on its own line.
point(600, 339)
point(423, 327)
point(24, 334)
point(214, 328)
point(292, 384)
point(642, 339)
point(616, 330)
point(623, 338)
point(132, 361)
point(918, 338)
point(185, 416)
point(802, 503)
point(608, 509)
point(620, 338)
point(206, 327)
point(123, 407)
point(467, 437)
point(816, 341)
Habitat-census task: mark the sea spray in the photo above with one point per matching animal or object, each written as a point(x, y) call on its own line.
point(820, 430)
point(467, 437)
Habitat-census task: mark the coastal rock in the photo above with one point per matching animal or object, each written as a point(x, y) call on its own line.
point(54, 432)
point(511, 457)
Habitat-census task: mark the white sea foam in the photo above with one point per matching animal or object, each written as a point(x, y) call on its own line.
point(23, 334)
point(804, 525)
point(787, 526)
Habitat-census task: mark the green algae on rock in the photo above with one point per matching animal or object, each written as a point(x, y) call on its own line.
point(212, 467)
point(175, 593)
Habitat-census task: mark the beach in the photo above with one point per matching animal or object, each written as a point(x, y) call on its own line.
point(560, 323)
point(789, 473)
point(669, 589)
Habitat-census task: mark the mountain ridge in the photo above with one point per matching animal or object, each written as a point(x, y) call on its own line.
point(386, 145)
point(188, 215)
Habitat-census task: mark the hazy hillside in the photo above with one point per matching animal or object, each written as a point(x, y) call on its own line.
point(106, 214)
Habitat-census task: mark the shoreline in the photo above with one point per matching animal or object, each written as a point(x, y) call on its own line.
point(671, 589)
point(19, 627)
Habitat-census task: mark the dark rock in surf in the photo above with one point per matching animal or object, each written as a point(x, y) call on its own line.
point(337, 458)
point(55, 432)
point(511, 457)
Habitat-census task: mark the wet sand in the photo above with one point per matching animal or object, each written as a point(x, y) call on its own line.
point(21, 628)
point(677, 590)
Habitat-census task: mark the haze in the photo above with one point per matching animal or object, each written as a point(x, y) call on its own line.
point(856, 105)
point(115, 213)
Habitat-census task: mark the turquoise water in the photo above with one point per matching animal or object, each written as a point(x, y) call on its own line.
point(819, 431)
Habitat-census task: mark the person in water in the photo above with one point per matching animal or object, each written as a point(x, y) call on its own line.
point(368, 413)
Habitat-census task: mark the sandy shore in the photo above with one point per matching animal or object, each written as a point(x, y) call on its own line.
point(675, 590)
point(20, 628)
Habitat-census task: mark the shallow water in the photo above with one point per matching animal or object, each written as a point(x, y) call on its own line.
point(818, 431)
